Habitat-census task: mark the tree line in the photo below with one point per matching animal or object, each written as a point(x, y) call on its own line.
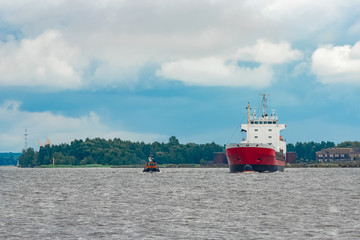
point(9, 158)
point(119, 152)
point(306, 151)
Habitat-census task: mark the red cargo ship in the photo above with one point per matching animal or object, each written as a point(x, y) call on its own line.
point(264, 149)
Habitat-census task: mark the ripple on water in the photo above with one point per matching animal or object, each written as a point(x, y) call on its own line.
point(178, 204)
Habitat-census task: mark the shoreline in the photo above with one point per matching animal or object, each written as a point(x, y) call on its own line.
point(355, 164)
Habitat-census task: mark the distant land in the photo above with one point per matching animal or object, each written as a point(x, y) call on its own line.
point(7, 159)
point(117, 152)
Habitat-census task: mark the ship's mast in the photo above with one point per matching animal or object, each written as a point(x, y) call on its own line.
point(248, 112)
point(264, 102)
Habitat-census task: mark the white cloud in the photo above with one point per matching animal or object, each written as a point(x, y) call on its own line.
point(269, 53)
point(225, 71)
point(300, 18)
point(215, 72)
point(46, 61)
point(337, 64)
point(58, 128)
point(126, 35)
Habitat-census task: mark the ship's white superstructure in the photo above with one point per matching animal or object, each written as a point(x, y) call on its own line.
point(264, 149)
point(264, 129)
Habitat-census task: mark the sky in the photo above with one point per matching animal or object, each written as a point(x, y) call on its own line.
point(150, 69)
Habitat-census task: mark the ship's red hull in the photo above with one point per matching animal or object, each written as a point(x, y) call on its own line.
point(259, 159)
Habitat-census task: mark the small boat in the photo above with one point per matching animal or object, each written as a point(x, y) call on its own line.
point(151, 166)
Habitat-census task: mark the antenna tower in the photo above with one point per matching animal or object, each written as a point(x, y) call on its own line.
point(25, 143)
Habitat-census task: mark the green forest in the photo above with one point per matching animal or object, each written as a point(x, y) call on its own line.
point(119, 152)
point(306, 152)
point(7, 159)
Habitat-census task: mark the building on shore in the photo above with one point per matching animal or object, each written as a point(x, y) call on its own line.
point(338, 154)
point(291, 157)
point(219, 158)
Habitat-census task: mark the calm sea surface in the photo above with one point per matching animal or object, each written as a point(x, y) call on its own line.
point(115, 203)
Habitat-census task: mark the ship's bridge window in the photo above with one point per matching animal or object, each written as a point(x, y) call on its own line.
point(274, 122)
point(265, 122)
point(256, 122)
point(252, 122)
point(269, 122)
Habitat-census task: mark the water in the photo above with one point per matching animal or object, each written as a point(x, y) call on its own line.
point(120, 203)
